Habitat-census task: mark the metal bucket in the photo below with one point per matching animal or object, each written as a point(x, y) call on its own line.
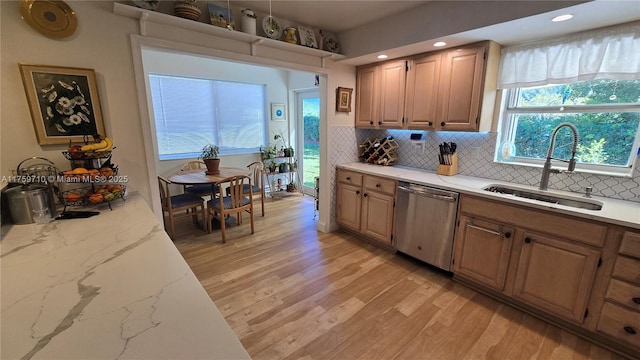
point(23, 200)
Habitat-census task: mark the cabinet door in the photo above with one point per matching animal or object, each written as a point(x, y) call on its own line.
point(555, 275)
point(462, 86)
point(482, 251)
point(349, 201)
point(377, 216)
point(392, 90)
point(366, 97)
point(423, 81)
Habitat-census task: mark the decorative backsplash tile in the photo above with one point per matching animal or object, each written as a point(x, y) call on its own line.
point(475, 158)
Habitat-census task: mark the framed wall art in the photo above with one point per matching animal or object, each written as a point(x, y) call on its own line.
point(64, 103)
point(278, 112)
point(343, 99)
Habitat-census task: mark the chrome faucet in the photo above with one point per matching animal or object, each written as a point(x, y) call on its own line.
point(546, 170)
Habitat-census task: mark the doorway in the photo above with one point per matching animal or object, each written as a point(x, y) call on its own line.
point(308, 120)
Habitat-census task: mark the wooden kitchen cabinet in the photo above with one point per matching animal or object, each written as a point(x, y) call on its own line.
point(461, 89)
point(423, 82)
point(482, 251)
point(366, 204)
point(366, 96)
point(555, 275)
point(620, 316)
point(502, 247)
point(451, 90)
point(392, 93)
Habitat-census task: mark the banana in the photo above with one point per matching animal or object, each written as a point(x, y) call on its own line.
point(95, 146)
point(108, 147)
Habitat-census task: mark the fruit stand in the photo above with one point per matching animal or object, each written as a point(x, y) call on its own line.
point(93, 178)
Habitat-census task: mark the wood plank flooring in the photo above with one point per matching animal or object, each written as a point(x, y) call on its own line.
point(290, 292)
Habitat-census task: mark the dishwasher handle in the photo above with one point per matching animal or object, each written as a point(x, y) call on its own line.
point(426, 193)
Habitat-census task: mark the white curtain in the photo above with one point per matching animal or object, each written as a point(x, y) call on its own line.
point(612, 53)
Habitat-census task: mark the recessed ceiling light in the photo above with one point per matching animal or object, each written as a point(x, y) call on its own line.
point(440, 43)
point(382, 56)
point(564, 17)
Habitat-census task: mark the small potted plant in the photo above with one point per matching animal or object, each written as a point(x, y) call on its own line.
point(291, 187)
point(272, 166)
point(210, 157)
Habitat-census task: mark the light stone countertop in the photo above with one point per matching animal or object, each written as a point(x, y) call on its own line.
point(614, 211)
point(112, 286)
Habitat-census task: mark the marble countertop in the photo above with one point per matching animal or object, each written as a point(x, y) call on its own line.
point(614, 211)
point(112, 286)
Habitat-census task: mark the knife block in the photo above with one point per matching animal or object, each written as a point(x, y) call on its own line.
point(449, 170)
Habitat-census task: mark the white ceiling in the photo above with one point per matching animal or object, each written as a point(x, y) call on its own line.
point(331, 15)
point(348, 16)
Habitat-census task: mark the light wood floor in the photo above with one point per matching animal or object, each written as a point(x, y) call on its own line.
point(290, 292)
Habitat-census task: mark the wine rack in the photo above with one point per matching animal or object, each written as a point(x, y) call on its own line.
point(379, 151)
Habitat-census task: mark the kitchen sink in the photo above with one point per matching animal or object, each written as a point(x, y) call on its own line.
point(566, 200)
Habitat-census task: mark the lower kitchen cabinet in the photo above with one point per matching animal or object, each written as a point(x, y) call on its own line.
point(580, 274)
point(366, 204)
point(482, 251)
point(555, 275)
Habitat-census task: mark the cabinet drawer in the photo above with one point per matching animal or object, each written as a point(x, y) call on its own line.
point(380, 185)
point(349, 177)
point(624, 293)
point(620, 323)
point(630, 244)
point(627, 269)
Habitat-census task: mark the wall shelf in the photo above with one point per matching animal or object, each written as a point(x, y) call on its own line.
point(144, 16)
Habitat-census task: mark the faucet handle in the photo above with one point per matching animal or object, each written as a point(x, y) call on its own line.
point(587, 191)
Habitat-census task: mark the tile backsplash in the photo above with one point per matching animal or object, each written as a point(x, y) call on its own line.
point(475, 158)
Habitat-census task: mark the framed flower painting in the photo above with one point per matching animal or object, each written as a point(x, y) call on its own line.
point(64, 103)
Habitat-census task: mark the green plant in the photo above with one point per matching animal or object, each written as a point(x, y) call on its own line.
point(209, 152)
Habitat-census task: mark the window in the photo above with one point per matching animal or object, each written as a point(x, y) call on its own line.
point(605, 112)
point(191, 113)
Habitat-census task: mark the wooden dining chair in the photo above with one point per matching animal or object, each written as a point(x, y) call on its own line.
point(200, 189)
point(181, 205)
point(257, 182)
point(234, 203)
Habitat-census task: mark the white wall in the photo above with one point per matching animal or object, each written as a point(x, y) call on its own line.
point(100, 43)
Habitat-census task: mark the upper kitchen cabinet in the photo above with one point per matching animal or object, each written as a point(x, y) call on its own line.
point(393, 77)
point(366, 96)
point(380, 95)
point(451, 90)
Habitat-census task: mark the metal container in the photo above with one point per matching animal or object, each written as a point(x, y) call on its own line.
point(23, 200)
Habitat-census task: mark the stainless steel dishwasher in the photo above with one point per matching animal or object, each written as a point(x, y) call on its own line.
point(425, 223)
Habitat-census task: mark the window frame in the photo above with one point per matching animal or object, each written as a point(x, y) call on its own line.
point(507, 129)
point(223, 151)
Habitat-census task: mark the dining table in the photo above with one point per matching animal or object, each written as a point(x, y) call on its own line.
point(202, 176)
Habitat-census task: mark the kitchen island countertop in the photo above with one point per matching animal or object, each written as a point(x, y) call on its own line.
point(112, 286)
point(614, 211)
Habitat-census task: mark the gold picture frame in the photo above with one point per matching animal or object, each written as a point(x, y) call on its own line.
point(343, 99)
point(64, 103)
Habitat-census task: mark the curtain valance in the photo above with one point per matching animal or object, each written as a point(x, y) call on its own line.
point(612, 53)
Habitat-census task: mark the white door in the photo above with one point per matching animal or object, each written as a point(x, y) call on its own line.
point(308, 120)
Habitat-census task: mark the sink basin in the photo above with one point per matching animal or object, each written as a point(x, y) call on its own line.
point(544, 196)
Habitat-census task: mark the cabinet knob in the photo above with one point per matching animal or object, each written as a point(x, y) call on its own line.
point(527, 240)
point(378, 185)
point(379, 122)
point(443, 124)
point(370, 122)
point(507, 235)
point(348, 177)
point(357, 192)
point(365, 195)
point(429, 123)
point(636, 300)
point(630, 330)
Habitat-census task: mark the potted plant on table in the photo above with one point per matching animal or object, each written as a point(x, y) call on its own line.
point(210, 157)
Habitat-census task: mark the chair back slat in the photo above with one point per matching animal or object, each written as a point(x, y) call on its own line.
point(193, 165)
point(165, 195)
point(257, 173)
